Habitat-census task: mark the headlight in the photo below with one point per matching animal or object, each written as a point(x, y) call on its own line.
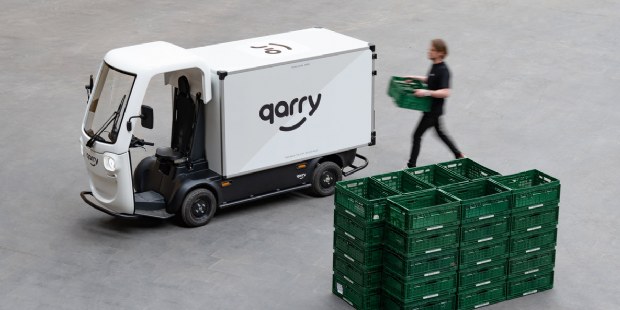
point(109, 163)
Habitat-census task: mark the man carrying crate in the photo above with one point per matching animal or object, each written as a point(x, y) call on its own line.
point(438, 81)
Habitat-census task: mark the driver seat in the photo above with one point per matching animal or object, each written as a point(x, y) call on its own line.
point(183, 124)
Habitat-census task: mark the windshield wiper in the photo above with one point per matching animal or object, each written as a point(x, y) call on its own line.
point(113, 117)
point(113, 134)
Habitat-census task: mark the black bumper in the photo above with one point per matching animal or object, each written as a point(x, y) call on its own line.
point(94, 204)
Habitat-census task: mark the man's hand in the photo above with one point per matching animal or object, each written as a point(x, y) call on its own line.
point(416, 77)
point(422, 93)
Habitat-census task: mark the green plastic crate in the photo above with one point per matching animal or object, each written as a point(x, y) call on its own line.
point(356, 275)
point(533, 241)
point(487, 253)
point(529, 221)
point(530, 284)
point(530, 273)
point(403, 96)
point(481, 200)
point(434, 241)
point(488, 275)
point(401, 182)
point(427, 290)
point(364, 257)
point(477, 233)
point(393, 303)
point(531, 263)
point(363, 198)
point(480, 297)
point(539, 207)
point(359, 298)
point(423, 211)
point(531, 188)
point(435, 175)
point(468, 168)
point(419, 267)
point(365, 235)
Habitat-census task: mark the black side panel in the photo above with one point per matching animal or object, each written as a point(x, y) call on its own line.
point(348, 157)
point(198, 146)
point(180, 185)
point(343, 159)
point(145, 177)
point(278, 179)
point(173, 182)
point(266, 181)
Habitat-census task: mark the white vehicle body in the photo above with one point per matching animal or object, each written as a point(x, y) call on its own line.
point(266, 103)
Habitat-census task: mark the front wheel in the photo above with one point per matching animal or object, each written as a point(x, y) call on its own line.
point(325, 177)
point(198, 207)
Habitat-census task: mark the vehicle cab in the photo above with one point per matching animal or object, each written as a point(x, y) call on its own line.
point(114, 108)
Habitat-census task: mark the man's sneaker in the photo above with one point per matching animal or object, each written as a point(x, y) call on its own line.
point(460, 155)
point(410, 165)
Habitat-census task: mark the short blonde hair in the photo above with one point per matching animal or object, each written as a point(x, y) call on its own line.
point(440, 46)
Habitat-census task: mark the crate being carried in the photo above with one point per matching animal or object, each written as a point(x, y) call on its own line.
point(401, 90)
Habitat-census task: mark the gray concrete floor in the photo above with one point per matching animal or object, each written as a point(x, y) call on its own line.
point(535, 85)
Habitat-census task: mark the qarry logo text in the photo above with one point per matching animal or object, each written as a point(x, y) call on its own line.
point(284, 109)
point(92, 159)
point(273, 50)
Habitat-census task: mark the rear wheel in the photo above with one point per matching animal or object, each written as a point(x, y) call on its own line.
point(198, 207)
point(325, 177)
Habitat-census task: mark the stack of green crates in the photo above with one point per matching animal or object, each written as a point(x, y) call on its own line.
point(401, 89)
point(484, 243)
point(420, 241)
point(535, 206)
point(420, 257)
point(358, 234)
point(456, 235)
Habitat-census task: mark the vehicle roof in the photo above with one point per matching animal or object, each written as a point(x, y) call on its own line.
point(153, 58)
point(159, 57)
point(277, 49)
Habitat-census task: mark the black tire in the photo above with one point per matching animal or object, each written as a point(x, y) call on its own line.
point(324, 178)
point(198, 208)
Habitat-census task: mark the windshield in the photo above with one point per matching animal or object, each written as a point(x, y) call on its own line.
point(110, 98)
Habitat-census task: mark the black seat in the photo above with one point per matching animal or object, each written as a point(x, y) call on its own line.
point(183, 122)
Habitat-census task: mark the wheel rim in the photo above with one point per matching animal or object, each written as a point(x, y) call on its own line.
point(200, 208)
point(328, 179)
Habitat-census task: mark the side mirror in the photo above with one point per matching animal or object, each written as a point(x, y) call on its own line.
point(89, 88)
point(146, 118)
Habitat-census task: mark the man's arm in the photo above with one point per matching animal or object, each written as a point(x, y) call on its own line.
point(418, 77)
point(444, 86)
point(440, 93)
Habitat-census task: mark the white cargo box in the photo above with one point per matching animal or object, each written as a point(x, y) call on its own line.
point(286, 98)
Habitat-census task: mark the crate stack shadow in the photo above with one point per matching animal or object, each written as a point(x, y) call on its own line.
point(455, 235)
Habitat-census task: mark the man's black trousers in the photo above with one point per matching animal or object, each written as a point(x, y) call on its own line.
point(427, 121)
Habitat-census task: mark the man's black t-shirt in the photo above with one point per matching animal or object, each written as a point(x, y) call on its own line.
point(438, 78)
